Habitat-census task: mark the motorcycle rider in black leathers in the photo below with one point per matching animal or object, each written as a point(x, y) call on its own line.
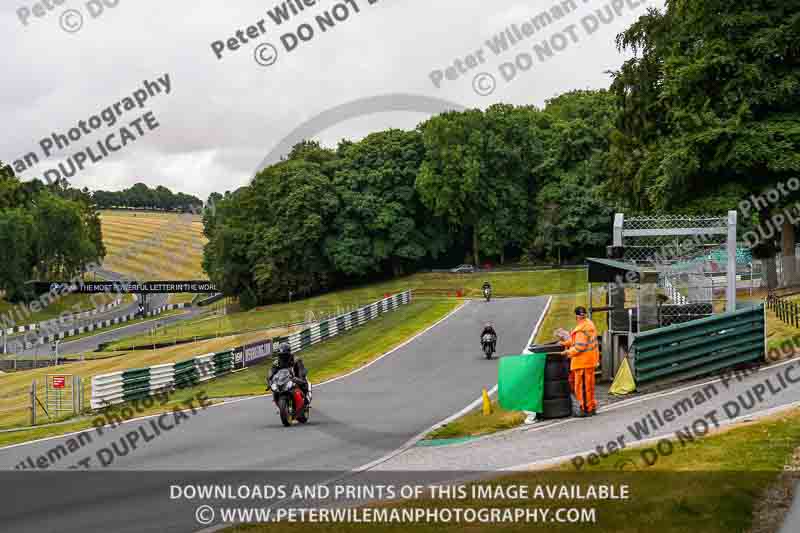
point(285, 359)
point(490, 330)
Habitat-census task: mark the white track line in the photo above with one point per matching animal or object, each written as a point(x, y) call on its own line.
point(413, 440)
point(237, 400)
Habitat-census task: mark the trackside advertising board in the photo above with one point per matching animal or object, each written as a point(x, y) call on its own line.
point(250, 354)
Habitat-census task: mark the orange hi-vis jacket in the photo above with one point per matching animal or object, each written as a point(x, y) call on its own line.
point(582, 348)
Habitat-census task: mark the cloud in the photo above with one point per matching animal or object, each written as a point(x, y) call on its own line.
point(224, 116)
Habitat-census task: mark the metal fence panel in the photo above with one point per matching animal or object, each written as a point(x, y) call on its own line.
point(701, 346)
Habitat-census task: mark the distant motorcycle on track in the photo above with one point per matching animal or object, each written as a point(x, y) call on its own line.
point(487, 293)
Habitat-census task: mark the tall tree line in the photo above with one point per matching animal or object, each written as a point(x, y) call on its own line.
point(469, 185)
point(140, 196)
point(703, 115)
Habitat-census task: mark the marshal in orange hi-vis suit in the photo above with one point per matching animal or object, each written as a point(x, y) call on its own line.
point(584, 354)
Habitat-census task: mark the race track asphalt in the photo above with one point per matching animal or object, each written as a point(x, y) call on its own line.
point(356, 420)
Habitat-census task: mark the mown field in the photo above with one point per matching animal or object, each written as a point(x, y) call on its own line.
point(153, 246)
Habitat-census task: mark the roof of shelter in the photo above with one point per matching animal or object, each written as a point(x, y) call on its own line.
point(611, 271)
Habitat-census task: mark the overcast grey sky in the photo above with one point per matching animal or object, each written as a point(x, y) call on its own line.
point(223, 116)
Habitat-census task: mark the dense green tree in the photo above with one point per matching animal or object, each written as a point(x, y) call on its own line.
point(704, 114)
point(226, 256)
point(477, 173)
point(573, 214)
point(17, 243)
point(46, 232)
point(381, 224)
point(709, 100)
point(269, 237)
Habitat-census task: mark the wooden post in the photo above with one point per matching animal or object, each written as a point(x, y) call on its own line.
point(33, 403)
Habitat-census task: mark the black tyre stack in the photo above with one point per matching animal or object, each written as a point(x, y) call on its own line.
point(556, 402)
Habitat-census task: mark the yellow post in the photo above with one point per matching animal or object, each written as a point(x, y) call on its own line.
point(487, 405)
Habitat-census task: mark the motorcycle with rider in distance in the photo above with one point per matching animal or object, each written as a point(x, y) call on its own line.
point(488, 340)
point(487, 291)
point(488, 345)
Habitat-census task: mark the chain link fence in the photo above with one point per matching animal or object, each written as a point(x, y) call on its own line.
point(691, 258)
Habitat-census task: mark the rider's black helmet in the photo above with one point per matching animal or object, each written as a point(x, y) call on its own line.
point(284, 353)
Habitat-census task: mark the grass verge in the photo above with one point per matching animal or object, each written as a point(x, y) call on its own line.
point(475, 424)
point(712, 485)
point(562, 315)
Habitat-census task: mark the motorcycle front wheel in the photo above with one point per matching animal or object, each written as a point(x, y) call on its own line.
point(283, 409)
point(487, 349)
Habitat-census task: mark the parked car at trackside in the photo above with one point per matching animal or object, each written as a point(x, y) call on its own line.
point(463, 269)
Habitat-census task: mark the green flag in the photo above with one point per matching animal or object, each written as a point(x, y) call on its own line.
point(520, 382)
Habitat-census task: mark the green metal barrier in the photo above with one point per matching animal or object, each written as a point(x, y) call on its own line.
point(701, 346)
point(223, 363)
point(135, 383)
point(185, 374)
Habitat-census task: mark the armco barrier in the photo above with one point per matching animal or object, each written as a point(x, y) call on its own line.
point(95, 326)
point(67, 318)
point(701, 346)
point(339, 324)
point(119, 387)
point(185, 374)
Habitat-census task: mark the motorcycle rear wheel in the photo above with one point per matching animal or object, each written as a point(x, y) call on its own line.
point(283, 408)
